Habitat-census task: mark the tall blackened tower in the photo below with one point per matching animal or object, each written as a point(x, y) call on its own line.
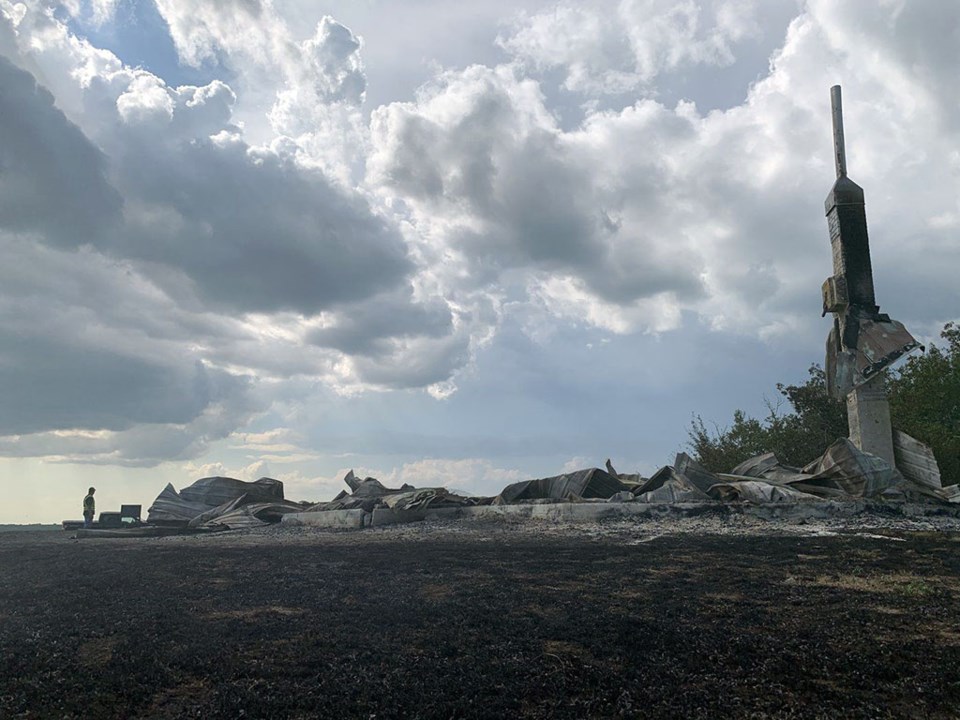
point(847, 220)
point(863, 340)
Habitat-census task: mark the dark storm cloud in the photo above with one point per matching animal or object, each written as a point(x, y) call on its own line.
point(52, 178)
point(233, 402)
point(51, 385)
point(255, 232)
point(368, 327)
point(122, 337)
point(416, 364)
point(254, 229)
point(87, 343)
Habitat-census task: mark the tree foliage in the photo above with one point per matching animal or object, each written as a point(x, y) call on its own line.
point(924, 402)
point(797, 436)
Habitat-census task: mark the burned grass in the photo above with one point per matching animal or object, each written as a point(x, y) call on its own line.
point(474, 624)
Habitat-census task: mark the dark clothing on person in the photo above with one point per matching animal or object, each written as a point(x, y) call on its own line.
point(89, 510)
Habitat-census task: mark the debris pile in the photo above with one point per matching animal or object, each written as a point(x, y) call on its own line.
point(369, 494)
point(221, 503)
point(591, 484)
point(843, 472)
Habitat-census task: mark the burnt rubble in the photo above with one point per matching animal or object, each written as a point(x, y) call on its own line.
point(842, 474)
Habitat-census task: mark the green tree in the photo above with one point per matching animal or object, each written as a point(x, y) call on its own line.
point(724, 449)
point(925, 401)
point(797, 436)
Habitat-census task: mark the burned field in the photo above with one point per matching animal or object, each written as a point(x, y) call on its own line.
point(480, 621)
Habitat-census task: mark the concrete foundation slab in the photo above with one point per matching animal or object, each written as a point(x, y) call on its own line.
point(329, 519)
point(552, 512)
point(386, 516)
point(573, 513)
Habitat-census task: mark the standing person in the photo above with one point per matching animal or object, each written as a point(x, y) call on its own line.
point(89, 508)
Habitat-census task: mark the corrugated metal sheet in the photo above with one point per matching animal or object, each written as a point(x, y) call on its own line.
point(251, 515)
point(213, 491)
point(667, 486)
point(857, 474)
point(586, 484)
point(881, 343)
point(212, 498)
point(171, 508)
point(916, 461)
point(758, 491)
point(696, 473)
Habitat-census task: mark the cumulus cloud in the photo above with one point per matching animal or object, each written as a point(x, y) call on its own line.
point(601, 49)
point(490, 177)
point(169, 260)
point(170, 244)
point(311, 89)
point(145, 100)
point(249, 227)
point(97, 366)
point(52, 178)
point(320, 107)
point(638, 215)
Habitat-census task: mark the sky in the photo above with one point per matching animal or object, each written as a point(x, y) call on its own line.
point(457, 244)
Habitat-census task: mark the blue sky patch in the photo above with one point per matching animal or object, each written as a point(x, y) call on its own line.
point(140, 37)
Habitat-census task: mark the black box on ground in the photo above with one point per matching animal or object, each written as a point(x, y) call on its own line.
point(130, 511)
point(110, 520)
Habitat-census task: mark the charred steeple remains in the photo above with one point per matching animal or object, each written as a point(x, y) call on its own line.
point(863, 340)
point(847, 220)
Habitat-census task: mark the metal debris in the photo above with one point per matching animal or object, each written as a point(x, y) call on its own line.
point(592, 483)
point(843, 473)
point(217, 503)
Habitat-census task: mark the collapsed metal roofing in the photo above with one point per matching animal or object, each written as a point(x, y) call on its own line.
point(592, 483)
point(221, 503)
point(842, 472)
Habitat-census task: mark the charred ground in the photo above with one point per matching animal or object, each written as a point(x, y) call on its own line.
point(488, 622)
